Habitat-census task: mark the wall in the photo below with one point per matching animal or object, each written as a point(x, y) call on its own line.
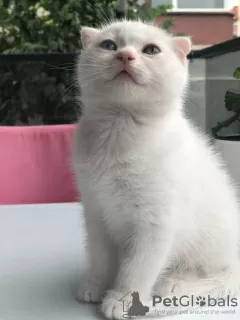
point(206, 4)
point(205, 28)
point(196, 3)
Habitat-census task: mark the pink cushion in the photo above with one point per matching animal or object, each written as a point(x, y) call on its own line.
point(35, 164)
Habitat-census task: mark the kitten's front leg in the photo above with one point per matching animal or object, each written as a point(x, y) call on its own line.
point(143, 259)
point(102, 260)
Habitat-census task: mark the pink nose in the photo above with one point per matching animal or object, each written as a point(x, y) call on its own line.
point(126, 56)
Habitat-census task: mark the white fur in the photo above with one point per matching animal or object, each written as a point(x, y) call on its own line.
point(158, 201)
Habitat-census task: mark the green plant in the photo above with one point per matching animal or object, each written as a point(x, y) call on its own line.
point(34, 92)
point(46, 25)
point(153, 13)
point(53, 26)
point(232, 104)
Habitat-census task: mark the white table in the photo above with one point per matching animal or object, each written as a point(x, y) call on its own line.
point(42, 262)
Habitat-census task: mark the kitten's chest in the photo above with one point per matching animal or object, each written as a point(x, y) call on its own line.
point(121, 171)
point(114, 140)
point(107, 142)
point(128, 193)
point(120, 192)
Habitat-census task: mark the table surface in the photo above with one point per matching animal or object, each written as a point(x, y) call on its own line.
point(42, 262)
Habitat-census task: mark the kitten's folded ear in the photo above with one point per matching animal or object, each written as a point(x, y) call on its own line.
point(182, 47)
point(87, 35)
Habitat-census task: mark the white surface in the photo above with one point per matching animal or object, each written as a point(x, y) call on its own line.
point(42, 263)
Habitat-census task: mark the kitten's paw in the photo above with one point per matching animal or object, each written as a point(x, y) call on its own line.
point(112, 307)
point(90, 292)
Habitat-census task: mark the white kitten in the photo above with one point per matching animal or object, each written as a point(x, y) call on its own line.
point(160, 210)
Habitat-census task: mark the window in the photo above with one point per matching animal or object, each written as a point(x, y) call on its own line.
point(157, 3)
point(191, 4)
point(203, 4)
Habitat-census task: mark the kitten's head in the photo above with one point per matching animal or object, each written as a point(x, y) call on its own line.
point(132, 62)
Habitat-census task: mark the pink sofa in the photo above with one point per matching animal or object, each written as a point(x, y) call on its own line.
point(35, 165)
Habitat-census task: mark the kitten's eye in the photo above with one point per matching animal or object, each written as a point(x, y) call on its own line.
point(151, 49)
point(108, 45)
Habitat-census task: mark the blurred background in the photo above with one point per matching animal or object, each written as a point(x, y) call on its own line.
point(39, 43)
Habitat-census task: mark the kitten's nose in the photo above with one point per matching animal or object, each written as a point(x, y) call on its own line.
point(126, 56)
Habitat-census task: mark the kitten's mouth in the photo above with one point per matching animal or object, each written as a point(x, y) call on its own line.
point(125, 75)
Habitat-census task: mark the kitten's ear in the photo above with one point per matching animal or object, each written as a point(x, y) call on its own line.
point(87, 35)
point(182, 46)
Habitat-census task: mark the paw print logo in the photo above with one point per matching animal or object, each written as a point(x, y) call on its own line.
point(201, 301)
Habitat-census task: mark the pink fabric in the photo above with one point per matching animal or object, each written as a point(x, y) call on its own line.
point(35, 165)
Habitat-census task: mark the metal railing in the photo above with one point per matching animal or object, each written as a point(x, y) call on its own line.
point(38, 89)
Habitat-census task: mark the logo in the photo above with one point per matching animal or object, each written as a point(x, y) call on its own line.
point(192, 301)
point(134, 307)
point(201, 301)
